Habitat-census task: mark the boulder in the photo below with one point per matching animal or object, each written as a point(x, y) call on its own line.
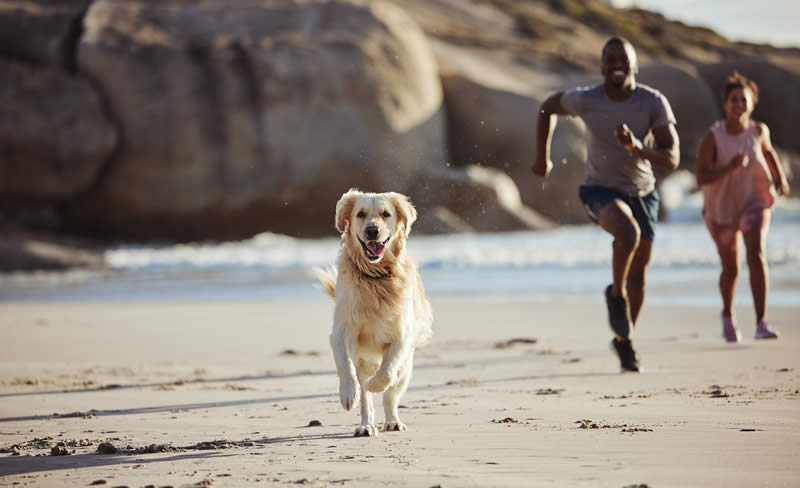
point(495, 126)
point(33, 254)
point(41, 32)
point(477, 198)
point(441, 220)
point(54, 134)
point(243, 117)
point(23, 250)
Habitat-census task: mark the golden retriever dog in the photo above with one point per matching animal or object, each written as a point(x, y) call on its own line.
point(381, 313)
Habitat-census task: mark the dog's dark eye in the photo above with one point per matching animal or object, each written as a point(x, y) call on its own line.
point(386, 214)
point(361, 214)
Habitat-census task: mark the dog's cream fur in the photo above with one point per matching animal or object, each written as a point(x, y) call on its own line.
point(381, 312)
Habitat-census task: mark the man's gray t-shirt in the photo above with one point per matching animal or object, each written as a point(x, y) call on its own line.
point(610, 165)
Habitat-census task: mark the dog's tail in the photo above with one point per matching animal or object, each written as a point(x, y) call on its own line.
point(327, 279)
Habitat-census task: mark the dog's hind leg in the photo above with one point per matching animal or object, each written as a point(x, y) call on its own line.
point(367, 427)
point(391, 398)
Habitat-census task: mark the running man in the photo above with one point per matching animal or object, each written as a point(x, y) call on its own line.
point(619, 193)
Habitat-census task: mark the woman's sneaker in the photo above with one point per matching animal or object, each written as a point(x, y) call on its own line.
point(765, 331)
point(619, 316)
point(729, 330)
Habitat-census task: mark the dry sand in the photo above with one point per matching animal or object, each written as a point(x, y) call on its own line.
point(224, 394)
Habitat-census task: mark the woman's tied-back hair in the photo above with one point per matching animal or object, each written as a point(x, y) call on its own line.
point(737, 80)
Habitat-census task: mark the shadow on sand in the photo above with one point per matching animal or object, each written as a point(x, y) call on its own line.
point(289, 398)
point(17, 465)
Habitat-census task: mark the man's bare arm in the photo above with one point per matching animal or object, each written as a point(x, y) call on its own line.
point(666, 154)
point(545, 125)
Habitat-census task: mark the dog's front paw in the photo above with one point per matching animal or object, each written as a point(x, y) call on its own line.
point(378, 383)
point(365, 430)
point(394, 426)
point(348, 392)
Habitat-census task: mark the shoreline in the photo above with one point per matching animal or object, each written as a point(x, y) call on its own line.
point(684, 286)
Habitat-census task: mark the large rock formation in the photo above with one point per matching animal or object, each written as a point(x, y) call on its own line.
point(476, 198)
point(41, 32)
point(495, 125)
point(54, 134)
point(240, 117)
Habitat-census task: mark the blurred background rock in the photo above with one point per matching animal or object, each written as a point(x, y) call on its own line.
point(186, 120)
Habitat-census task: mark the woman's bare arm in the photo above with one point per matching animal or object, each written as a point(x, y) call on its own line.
point(778, 175)
point(705, 170)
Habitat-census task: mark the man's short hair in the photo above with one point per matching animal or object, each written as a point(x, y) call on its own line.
point(622, 42)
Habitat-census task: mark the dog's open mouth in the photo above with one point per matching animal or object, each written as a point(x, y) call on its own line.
point(374, 249)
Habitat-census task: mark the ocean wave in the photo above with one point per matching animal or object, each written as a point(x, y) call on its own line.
point(551, 265)
point(678, 244)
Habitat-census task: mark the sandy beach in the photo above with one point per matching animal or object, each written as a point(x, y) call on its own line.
point(523, 394)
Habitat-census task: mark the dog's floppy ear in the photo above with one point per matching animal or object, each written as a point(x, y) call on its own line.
point(344, 209)
point(406, 213)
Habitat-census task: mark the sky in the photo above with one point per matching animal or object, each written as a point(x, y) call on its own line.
point(769, 21)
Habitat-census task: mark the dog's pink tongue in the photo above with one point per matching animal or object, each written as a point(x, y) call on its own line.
point(375, 247)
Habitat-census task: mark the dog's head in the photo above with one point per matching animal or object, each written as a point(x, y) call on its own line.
point(374, 225)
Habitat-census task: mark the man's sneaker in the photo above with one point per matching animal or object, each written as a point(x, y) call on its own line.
point(627, 356)
point(619, 316)
point(765, 331)
point(729, 330)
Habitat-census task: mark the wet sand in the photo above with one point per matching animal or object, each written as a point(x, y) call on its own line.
point(524, 394)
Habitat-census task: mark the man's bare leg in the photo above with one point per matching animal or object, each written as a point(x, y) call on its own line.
point(637, 278)
point(617, 219)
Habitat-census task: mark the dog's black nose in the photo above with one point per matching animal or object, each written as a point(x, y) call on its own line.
point(371, 232)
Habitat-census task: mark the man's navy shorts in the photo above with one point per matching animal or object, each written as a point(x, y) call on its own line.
point(644, 208)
